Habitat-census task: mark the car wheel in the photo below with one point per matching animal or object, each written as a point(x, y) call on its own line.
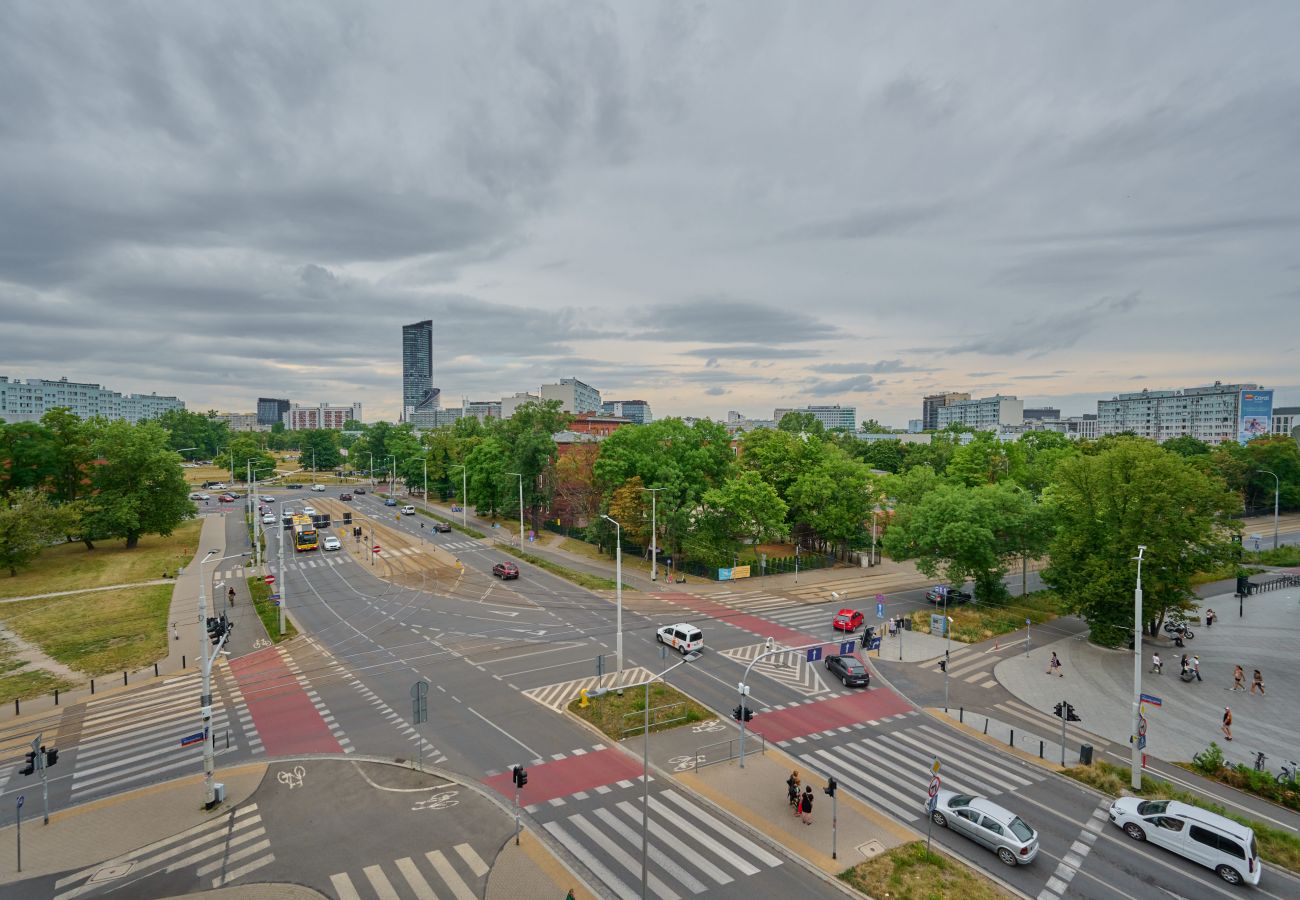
point(682, 649)
point(1005, 854)
point(659, 638)
point(939, 819)
point(1134, 830)
point(844, 680)
point(1229, 874)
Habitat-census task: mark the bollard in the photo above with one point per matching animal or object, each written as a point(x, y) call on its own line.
point(986, 724)
point(92, 687)
point(56, 696)
point(1040, 749)
point(16, 706)
point(155, 670)
point(124, 678)
point(182, 660)
point(1012, 741)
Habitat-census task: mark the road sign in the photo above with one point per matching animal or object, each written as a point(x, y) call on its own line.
point(814, 654)
point(934, 786)
point(1142, 726)
point(880, 609)
point(420, 702)
point(192, 739)
point(931, 804)
point(934, 766)
point(374, 549)
point(275, 597)
point(1142, 742)
point(874, 644)
point(1151, 699)
point(269, 579)
point(847, 647)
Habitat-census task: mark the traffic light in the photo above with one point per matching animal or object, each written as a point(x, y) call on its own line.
point(1060, 709)
point(736, 713)
point(30, 766)
point(51, 756)
point(1069, 714)
point(943, 665)
point(749, 714)
point(519, 775)
point(831, 785)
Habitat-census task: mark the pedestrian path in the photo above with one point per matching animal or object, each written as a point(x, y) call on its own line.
point(757, 602)
point(893, 770)
point(558, 696)
point(221, 851)
point(131, 738)
point(458, 871)
point(975, 666)
point(460, 545)
point(790, 669)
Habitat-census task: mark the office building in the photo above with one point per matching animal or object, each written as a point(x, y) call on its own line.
point(1041, 412)
point(574, 396)
point(833, 418)
point(27, 402)
point(420, 399)
point(931, 405)
point(985, 414)
point(636, 410)
point(1208, 413)
point(483, 409)
point(271, 410)
point(915, 426)
point(322, 416)
point(511, 403)
point(1285, 419)
point(241, 421)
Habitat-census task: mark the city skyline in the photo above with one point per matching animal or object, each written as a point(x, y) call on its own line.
point(710, 209)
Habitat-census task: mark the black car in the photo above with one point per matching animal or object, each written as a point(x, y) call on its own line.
point(345, 496)
point(849, 670)
point(359, 491)
point(935, 596)
point(294, 486)
point(443, 527)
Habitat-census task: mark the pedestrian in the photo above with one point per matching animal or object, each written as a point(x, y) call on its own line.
point(1054, 665)
point(1238, 679)
point(570, 895)
point(1257, 682)
point(805, 808)
point(1209, 618)
point(1226, 728)
point(792, 789)
point(176, 635)
point(1156, 665)
point(1185, 664)
point(1196, 667)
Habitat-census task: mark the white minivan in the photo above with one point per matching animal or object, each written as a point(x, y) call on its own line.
point(681, 637)
point(1197, 834)
point(408, 510)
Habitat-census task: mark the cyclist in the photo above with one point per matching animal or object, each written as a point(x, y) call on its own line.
point(231, 595)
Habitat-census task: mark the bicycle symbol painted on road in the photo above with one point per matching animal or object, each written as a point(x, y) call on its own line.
point(710, 725)
point(685, 763)
point(445, 800)
point(260, 643)
point(292, 778)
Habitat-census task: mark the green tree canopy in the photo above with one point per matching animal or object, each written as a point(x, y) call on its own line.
point(138, 487)
point(28, 523)
point(835, 500)
point(749, 506)
point(800, 421)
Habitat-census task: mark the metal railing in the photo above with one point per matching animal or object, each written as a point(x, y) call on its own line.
point(710, 754)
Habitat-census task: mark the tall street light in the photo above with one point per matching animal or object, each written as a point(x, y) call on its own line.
point(654, 532)
point(205, 699)
point(392, 474)
point(618, 589)
point(1277, 490)
point(464, 499)
point(521, 511)
point(1137, 673)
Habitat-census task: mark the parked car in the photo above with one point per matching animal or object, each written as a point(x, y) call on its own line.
point(359, 491)
point(847, 620)
point(331, 543)
point(443, 527)
point(204, 497)
point(217, 486)
point(389, 501)
point(935, 595)
point(682, 637)
point(345, 496)
point(505, 570)
point(849, 670)
point(1193, 833)
point(988, 824)
point(196, 496)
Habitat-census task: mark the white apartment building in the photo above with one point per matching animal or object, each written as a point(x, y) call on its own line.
point(833, 418)
point(574, 396)
point(1285, 419)
point(322, 416)
point(27, 402)
point(241, 421)
point(1205, 413)
point(514, 401)
point(985, 414)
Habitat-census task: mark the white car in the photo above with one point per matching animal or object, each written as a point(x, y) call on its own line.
point(1197, 834)
point(309, 510)
point(681, 637)
point(268, 519)
point(408, 510)
point(332, 543)
point(318, 487)
point(219, 486)
point(204, 497)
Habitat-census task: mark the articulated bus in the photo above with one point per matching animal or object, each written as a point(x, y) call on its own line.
point(304, 533)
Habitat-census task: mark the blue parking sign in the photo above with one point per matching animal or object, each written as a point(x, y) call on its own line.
point(847, 647)
point(880, 610)
point(814, 654)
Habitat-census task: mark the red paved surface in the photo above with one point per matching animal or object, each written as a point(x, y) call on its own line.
point(549, 780)
point(744, 621)
point(285, 717)
point(810, 718)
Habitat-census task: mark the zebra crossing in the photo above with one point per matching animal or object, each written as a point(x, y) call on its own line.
point(326, 716)
point(222, 851)
point(892, 770)
point(972, 666)
point(458, 870)
point(760, 603)
point(790, 669)
point(690, 850)
point(558, 696)
point(460, 545)
point(135, 737)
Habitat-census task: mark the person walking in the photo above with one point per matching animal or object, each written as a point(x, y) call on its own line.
point(1209, 618)
point(1257, 682)
point(792, 789)
point(1157, 666)
point(1196, 667)
point(1226, 728)
point(805, 807)
point(1238, 679)
point(1184, 664)
point(1054, 664)
point(570, 895)
point(231, 595)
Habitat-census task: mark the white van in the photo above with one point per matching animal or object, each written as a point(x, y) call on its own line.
point(408, 510)
point(318, 487)
point(1197, 834)
point(681, 637)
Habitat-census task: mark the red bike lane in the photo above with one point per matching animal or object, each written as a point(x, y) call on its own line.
point(562, 777)
point(285, 717)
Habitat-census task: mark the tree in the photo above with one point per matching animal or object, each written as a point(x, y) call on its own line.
point(982, 461)
point(800, 421)
point(138, 487)
point(1186, 445)
point(887, 456)
point(835, 500)
point(318, 448)
point(1134, 492)
point(750, 506)
point(28, 523)
point(205, 433)
point(27, 456)
point(871, 426)
point(780, 456)
point(244, 455)
point(487, 476)
point(630, 508)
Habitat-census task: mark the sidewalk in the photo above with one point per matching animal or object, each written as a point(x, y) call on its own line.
point(184, 609)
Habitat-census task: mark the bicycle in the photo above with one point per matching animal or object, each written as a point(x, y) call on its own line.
point(1259, 761)
point(1288, 773)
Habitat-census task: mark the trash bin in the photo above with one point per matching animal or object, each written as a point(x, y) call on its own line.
point(907, 624)
point(1085, 754)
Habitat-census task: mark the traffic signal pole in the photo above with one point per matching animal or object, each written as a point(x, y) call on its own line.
point(743, 687)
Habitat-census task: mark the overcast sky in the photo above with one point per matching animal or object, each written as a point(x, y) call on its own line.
point(708, 206)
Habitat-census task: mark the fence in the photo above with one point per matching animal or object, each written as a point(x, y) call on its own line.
point(1273, 584)
point(713, 753)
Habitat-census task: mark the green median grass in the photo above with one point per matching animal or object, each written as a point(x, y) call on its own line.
point(669, 708)
point(268, 612)
point(909, 872)
point(975, 622)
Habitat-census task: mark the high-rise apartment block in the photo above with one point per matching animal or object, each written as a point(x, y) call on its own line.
point(1208, 413)
point(419, 397)
point(322, 416)
point(931, 405)
point(271, 410)
point(483, 409)
point(574, 396)
point(1041, 412)
point(833, 418)
point(27, 402)
point(636, 410)
point(985, 414)
point(241, 421)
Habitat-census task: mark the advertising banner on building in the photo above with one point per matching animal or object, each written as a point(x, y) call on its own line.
point(1255, 418)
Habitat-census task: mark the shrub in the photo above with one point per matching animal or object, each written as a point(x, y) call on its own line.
point(1210, 760)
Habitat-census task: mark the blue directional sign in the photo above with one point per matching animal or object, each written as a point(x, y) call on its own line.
point(22, 798)
point(847, 647)
point(874, 644)
point(880, 610)
point(814, 654)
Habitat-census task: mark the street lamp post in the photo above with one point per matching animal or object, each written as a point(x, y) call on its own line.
point(654, 532)
point(392, 474)
point(1137, 673)
point(205, 699)
point(947, 631)
point(464, 499)
point(424, 464)
point(1277, 490)
point(372, 467)
point(618, 590)
point(520, 476)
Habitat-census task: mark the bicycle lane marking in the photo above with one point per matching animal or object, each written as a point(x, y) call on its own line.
point(552, 780)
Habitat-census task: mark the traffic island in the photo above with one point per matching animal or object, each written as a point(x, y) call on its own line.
point(910, 871)
point(621, 713)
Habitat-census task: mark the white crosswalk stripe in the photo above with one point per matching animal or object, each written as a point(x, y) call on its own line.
point(791, 669)
point(458, 871)
point(757, 602)
point(558, 696)
point(228, 847)
point(690, 850)
point(892, 770)
point(132, 737)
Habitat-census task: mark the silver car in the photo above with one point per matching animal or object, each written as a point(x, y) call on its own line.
point(984, 822)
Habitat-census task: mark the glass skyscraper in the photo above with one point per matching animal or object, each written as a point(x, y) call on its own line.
point(419, 396)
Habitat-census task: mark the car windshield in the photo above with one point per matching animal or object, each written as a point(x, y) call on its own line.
point(960, 800)
point(1152, 807)
point(1021, 830)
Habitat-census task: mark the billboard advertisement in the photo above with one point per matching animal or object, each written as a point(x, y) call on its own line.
point(1255, 417)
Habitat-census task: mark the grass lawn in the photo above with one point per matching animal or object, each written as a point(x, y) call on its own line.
point(610, 712)
point(975, 622)
point(70, 567)
point(909, 873)
point(581, 579)
point(1276, 846)
point(99, 633)
point(18, 680)
point(268, 612)
point(201, 474)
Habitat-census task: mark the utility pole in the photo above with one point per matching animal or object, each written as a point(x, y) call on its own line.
point(464, 493)
point(425, 464)
point(1277, 486)
point(947, 631)
point(283, 581)
point(1136, 779)
point(618, 590)
point(520, 476)
point(654, 532)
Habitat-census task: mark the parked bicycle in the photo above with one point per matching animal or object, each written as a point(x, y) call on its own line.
point(1259, 761)
point(1288, 773)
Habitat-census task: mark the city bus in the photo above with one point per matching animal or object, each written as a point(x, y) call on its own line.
point(304, 533)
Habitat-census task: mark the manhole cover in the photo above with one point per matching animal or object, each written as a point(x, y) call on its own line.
point(871, 848)
point(108, 873)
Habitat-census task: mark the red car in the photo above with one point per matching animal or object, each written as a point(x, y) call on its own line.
point(227, 498)
point(847, 620)
point(505, 570)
